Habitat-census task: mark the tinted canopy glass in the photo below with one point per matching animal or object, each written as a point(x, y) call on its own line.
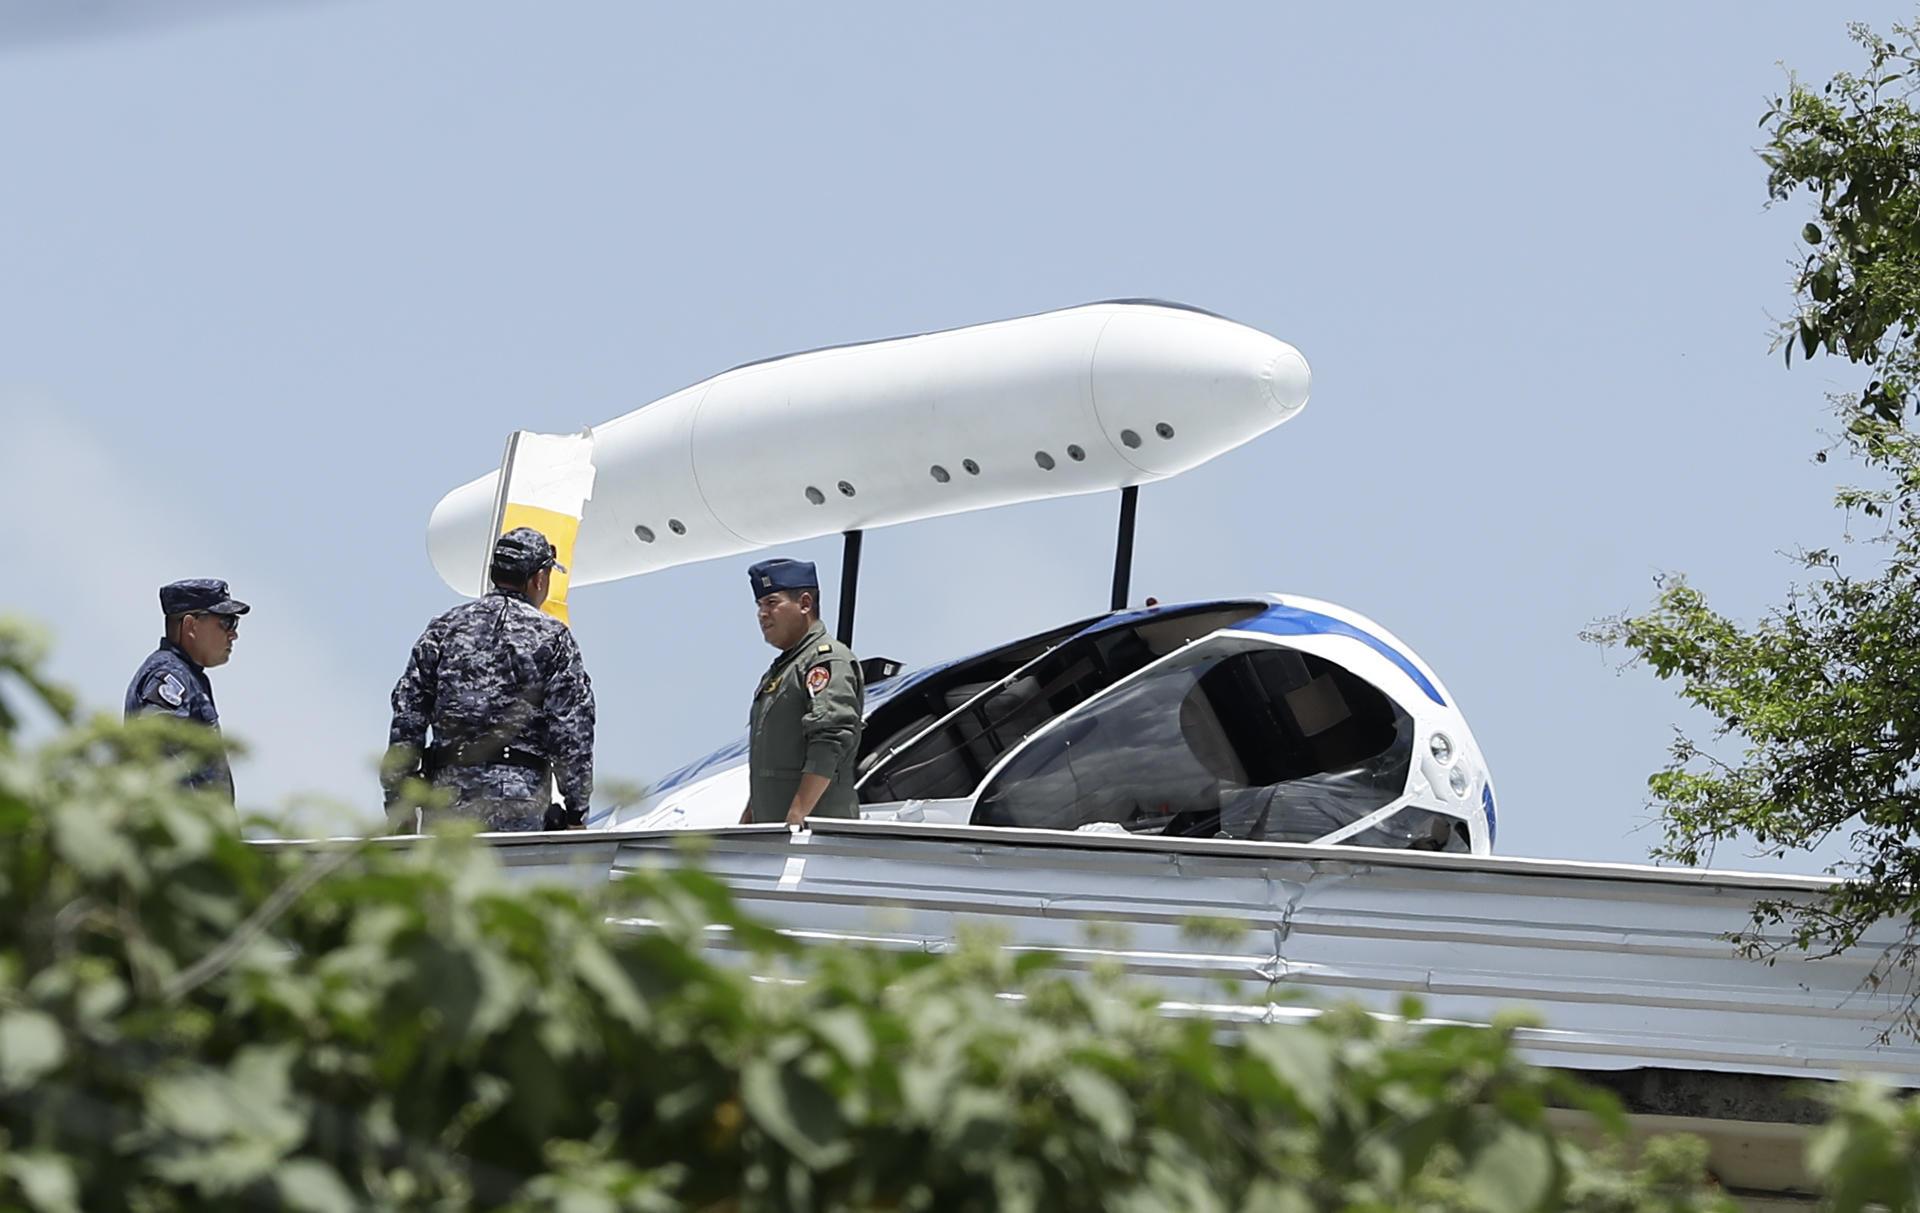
point(939, 739)
point(1234, 737)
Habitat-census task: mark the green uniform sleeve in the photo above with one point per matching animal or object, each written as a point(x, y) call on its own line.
point(832, 723)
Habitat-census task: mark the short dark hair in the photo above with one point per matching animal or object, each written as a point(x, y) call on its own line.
point(506, 581)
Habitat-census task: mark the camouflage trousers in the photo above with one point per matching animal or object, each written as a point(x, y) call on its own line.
point(499, 798)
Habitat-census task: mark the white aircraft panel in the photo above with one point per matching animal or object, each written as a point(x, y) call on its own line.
point(1075, 401)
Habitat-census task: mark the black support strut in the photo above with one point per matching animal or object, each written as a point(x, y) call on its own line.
point(849, 585)
point(1123, 547)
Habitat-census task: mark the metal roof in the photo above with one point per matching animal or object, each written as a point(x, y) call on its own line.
point(1626, 966)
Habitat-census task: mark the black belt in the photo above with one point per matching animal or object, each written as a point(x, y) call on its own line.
point(483, 754)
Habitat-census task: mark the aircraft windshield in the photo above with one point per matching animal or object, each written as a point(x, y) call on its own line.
point(976, 713)
point(1234, 738)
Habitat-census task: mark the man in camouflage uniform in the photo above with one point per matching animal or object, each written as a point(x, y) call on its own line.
point(804, 729)
point(202, 621)
point(502, 687)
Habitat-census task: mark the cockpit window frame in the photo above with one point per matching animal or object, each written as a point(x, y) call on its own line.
point(1403, 800)
point(1092, 633)
point(880, 763)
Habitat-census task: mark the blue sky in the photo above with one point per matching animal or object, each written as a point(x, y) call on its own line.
point(275, 276)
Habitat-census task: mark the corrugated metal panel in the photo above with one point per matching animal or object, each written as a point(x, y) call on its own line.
point(1626, 966)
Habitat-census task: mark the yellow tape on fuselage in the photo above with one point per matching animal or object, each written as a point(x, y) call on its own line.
point(561, 530)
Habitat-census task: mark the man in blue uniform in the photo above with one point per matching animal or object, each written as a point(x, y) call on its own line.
point(202, 622)
point(501, 685)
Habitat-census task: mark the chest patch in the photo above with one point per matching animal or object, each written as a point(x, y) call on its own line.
point(817, 679)
point(170, 690)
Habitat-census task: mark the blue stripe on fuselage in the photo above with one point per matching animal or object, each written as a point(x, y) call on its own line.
point(1293, 621)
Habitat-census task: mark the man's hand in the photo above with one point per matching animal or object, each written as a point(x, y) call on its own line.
point(807, 795)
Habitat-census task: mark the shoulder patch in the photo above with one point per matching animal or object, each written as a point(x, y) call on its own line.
point(171, 690)
point(817, 679)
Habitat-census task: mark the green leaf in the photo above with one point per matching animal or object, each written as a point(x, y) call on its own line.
point(976, 1121)
point(249, 1099)
point(1101, 1101)
point(795, 1111)
point(312, 1187)
point(1302, 1059)
point(31, 1047)
point(1268, 1196)
point(598, 970)
point(193, 1105)
point(46, 1180)
point(846, 1030)
point(1512, 1172)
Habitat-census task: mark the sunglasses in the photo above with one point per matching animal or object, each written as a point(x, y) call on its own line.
point(229, 624)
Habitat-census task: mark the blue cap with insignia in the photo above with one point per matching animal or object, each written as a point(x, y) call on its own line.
point(199, 594)
point(782, 574)
point(522, 552)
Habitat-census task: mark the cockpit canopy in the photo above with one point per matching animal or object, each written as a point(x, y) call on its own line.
point(1270, 719)
point(940, 738)
point(1188, 732)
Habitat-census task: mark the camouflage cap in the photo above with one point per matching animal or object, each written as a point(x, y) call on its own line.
point(199, 594)
point(522, 552)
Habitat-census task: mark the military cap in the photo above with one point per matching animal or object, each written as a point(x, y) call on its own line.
point(782, 574)
point(199, 594)
point(522, 552)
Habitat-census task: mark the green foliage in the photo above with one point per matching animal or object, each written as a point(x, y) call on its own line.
point(22, 651)
point(1852, 145)
point(1868, 1155)
point(1817, 727)
point(189, 1021)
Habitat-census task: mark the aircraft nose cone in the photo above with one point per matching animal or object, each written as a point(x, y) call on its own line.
point(1173, 389)
point(1288, 381)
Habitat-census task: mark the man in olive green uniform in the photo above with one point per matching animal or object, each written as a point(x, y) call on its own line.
point(804, 731)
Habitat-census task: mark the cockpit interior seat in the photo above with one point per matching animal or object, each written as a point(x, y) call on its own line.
point(1012, 712)
point(878, 750)
point(924, 775)
point(954, 696)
